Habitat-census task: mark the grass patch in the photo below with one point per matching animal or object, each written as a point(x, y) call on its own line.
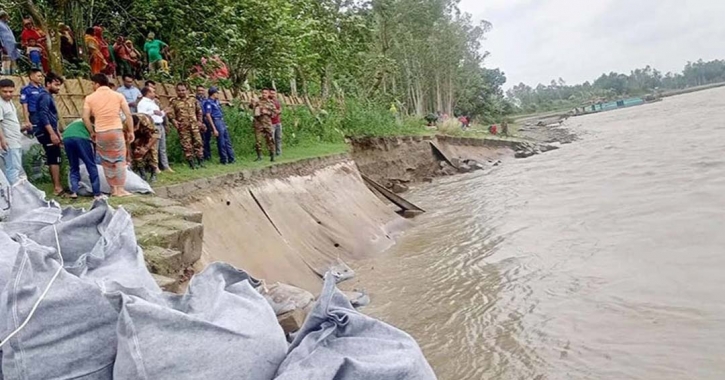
point(184, 174)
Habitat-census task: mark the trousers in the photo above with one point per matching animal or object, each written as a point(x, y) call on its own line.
point(206, 136)
point(81, 150)
point(224, 142)
point(263, 132)
point(161, 147)
point(278, 138)
point(13, 164)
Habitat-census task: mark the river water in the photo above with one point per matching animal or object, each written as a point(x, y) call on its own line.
point(602, 260)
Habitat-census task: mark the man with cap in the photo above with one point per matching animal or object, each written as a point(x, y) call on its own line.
point(215, 120)
point(29, 98)
point(7, 38)
point(185, 115)
point(263, 110)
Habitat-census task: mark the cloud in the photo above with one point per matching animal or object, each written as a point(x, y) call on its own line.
point(537, 41)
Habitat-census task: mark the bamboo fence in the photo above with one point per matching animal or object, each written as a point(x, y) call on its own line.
point(74, 91)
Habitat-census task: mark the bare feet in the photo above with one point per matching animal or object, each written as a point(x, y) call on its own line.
point(121, 194)
point(169, 170)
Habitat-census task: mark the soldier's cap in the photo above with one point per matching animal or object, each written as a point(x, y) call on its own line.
point(213, 90)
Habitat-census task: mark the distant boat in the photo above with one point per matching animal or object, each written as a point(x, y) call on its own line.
point(613, 105)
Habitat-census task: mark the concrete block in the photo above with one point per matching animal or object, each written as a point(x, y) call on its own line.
point(158, 202)
point(292, 321)
point(149, 235)
point(183, 213)
point(166, 283)
point(164, 261)
point(188, 241)
point(142, 220)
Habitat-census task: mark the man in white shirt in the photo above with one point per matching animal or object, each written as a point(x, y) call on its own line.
point(130, 92)
point(148, 106)
point(10, 134)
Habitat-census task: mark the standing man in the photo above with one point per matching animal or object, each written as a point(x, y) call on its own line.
point(264, 109)
point(109, 132)
point(10, 133)
point(79, 148)
point(143, 149)
point(46, 128)
point(7, 38)
point(153, 48)
point(206, 135)
point(149, 107)
point(130, 92)
point(29, 99)
point(276, 121)
point(215, 121)
point(185, 116)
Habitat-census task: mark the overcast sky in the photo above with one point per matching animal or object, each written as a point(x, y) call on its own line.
point(535, 41)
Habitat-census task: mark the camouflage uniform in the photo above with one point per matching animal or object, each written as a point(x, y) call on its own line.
point(187, 114)
point(263, 111)
point(144, 132)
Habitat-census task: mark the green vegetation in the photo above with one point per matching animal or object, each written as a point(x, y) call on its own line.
point(558, 96)
point(421, 55)
point(184, 174)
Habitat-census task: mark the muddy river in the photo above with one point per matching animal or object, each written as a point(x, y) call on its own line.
point(602, 260)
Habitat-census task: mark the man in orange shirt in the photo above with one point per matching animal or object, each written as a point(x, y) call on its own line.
point(106, 105)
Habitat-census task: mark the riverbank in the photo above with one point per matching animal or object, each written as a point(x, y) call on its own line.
point(313, 211)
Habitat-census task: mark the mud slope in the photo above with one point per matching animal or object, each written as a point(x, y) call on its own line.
point(293, 229)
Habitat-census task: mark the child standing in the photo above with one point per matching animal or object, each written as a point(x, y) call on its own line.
point(35, 54)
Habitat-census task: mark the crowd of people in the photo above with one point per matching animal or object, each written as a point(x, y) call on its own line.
point(120, 58)
point(125, 128)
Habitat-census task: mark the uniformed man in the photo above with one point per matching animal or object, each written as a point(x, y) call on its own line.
point(215, 121)
point(207, 134)
point(185, 115)
point(29, 99)
point(264, 109)
point(144, 151)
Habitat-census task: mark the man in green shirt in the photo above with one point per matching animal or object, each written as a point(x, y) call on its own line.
point(153, 48)
point(79, 147)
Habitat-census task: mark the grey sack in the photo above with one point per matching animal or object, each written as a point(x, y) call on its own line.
point(337, 342)
point(222, 328)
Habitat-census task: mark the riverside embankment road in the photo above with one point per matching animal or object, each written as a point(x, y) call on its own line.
point(601, 260)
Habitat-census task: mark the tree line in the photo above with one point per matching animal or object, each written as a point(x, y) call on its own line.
point(421, 55)
point(640, 82)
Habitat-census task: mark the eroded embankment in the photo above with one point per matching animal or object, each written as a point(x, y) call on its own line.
point(294, 229)
point(404, 160)
point(292, 223)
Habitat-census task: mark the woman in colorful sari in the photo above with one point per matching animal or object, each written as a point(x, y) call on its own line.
point(110, 68)
point(96, 60)
point(30, 32)
point(109, 132)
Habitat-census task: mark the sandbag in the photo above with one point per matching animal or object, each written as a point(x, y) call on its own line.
point(26, 198)
point(72, 333)
point(222, 328)
point(337, 342)
point(134, 183)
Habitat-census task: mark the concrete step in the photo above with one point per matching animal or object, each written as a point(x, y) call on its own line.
point(164, 261)
point(166, 283)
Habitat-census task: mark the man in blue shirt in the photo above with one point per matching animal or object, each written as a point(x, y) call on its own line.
point(130, 92)
point(46, 129)
point(29, 98)
point(207, 133)
point(214, 116)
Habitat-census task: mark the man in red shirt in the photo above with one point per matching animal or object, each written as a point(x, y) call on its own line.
point(276, 122)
